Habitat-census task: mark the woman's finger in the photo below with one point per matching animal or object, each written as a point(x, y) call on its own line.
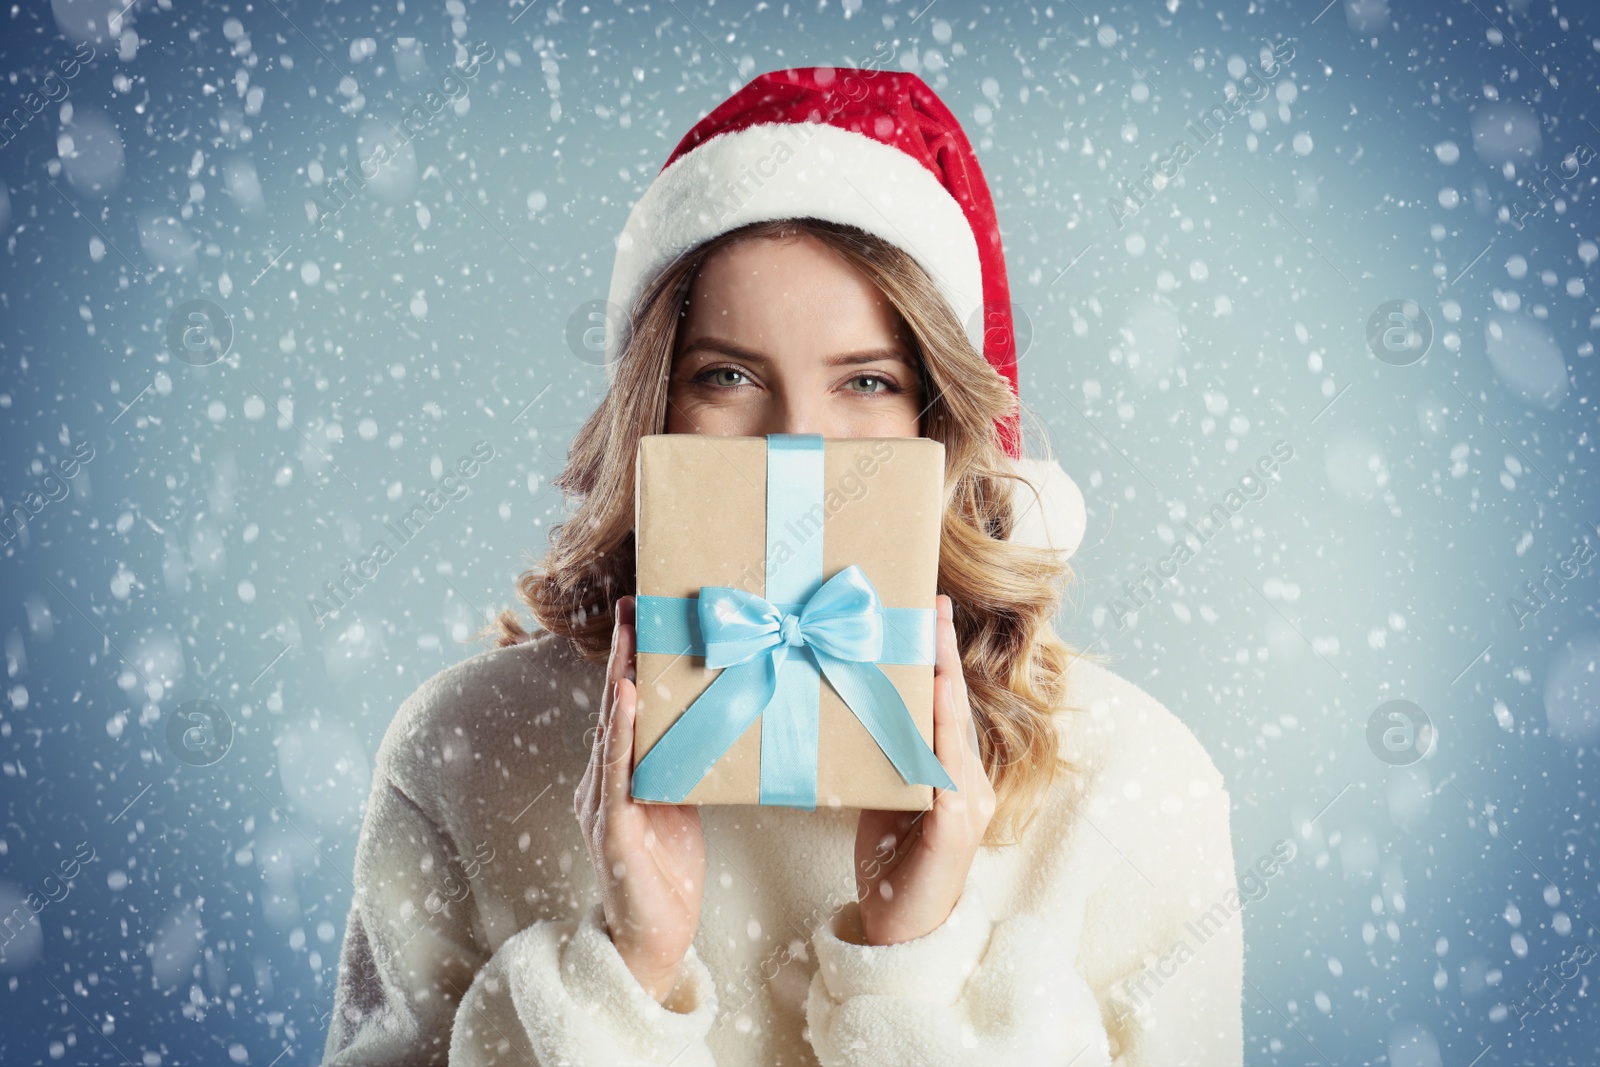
point(941, 648)
point(587, 785)
point(619, 734)
point(623, 650)
point(949, 745)
point(619, 665)
point(946, 753)
point(952, 656)
point(617, 774)
point(947, 653)
point(627, 608)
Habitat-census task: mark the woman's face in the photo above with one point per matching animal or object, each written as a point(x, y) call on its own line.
point(784, 336)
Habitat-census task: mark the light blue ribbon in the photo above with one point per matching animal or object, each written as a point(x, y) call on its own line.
point(773, 654)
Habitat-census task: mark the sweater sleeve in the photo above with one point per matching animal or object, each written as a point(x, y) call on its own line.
point(559, 993)
point(416, 984)
point(409, 950)
point(971, 992)
point(1134, 958)
point(1179, 1004)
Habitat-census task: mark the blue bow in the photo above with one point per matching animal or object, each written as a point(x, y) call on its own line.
point(844, 620)
point(773, 657)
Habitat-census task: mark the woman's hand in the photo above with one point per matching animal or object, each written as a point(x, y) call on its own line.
point(911, 867)
point(649, 859)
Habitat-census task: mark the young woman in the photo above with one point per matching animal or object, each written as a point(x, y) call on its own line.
point(812, 259)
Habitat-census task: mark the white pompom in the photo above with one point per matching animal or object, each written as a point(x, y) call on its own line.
point(1050, 514)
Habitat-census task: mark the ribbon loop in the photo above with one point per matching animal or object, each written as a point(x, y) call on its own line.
point(736, 626)
point(845, 617)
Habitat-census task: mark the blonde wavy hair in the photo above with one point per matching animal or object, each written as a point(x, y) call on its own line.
point(1004, 595)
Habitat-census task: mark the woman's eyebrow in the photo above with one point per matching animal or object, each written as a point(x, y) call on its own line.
point(871, 355)
point(728, 348)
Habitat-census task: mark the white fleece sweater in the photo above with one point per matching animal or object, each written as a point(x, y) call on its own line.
point(476, 936)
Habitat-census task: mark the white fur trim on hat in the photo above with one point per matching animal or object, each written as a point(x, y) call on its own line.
point(788, 170)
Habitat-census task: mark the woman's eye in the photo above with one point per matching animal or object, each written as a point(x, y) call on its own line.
point(720, 376)
point(873, 382)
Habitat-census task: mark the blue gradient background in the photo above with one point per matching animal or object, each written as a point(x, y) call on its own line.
point(443, 308)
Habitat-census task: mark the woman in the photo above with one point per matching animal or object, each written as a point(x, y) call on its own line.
point(803, 264)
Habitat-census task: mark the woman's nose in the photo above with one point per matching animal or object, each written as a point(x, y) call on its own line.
point(792, 416)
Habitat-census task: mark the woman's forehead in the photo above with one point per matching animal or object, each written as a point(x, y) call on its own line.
point(761, 286)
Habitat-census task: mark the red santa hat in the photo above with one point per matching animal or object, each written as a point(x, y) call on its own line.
point(874, 149)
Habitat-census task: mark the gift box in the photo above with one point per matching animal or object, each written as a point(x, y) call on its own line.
point(786, 620)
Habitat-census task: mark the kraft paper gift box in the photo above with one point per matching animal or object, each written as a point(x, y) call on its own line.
point(786, 620)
